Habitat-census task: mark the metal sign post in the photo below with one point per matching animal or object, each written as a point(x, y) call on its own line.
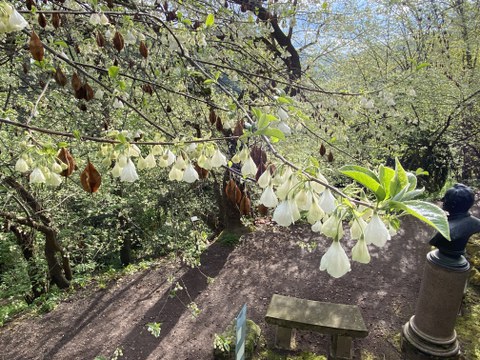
point(241, 331)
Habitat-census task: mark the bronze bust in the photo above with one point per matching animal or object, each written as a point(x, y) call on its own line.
point(457, 202)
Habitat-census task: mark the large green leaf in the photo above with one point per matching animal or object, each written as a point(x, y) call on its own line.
point(426, 212)
point(400, 180)
point(386, 175)
point(365, 177)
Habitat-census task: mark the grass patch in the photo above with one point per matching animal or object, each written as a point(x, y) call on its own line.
point(468, 325)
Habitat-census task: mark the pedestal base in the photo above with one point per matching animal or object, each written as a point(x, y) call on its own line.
point(433, 347)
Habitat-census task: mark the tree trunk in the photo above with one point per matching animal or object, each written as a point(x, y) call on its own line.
point(59, 274)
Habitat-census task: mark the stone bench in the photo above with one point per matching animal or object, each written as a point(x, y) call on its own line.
point(342, 322)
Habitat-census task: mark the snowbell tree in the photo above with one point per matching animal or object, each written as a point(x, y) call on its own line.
point(101, 93)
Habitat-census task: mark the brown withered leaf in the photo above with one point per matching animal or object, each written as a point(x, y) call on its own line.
point(147, 88)
point(262, 210)
point(202, 173)
point(212, 116)
point(260, 170)
point(118, 42)
point(230, 190)
point(245, 205)
point(89, 94)
point(219, 124)
point(238, 131)
point(56, 21)
point(90, 178)
point(36, 47)
point(60, 77)
point(80, 93)
point(29, 4)
point(322, 150)
point(238, 194)
point(110, 4)
point(100, 39)
point(258, 155)
point(42, 20)
point(67, 158)
point(330, 157)
point(76, 82)
point(143, 49)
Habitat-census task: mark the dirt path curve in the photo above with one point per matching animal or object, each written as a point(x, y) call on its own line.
point(268, 261)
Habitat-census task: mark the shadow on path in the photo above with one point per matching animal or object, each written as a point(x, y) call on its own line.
point(139, 344)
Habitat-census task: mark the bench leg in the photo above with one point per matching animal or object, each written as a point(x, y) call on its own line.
point(340, 348)
point(285, 338)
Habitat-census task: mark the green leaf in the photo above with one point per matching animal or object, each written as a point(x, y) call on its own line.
point(412, 180)
point(400, 180)
point(210, 20)
point(209, 81)
point(422, 65)
point(386, 175)
point(61, 43)
point(284, 100)
point(113, 71)
point(426, 212)
point(62, 144)
point(154, 328)
point(274, 134)
point(365, 177)
point(76, 133)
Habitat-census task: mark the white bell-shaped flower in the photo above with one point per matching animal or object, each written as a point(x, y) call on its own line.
point(57, 168)
point(335, 261)
point(281, 176)
point(360, 252)
point(283, 215)
point(180, 163)
point(134, 151)
point(37, 176)
point(357, 228)
point(327, 201)
point(303, 198)
point(249, 167)
point(190, 175)
point(16, 22)
point(317, 187)
point(264, 179)
point(317, 226)
point(99, 94)
point(95, 19)
point(218, 159)
point(295, 211)
point(117, 104)
point(268, 198)
point(104, 19)
point(21, 165)
point(141, 163)
point(122, 160)
point(157, 150)
point(284, 189)
point(53, 179)
point(175, 174)
point(282, 114)
point(333, 227)
point(376, 232)
point(130, 38)
point(283, 127)
point(117, 169)
point(315, 213)
point(150, 161)
point(129, 173)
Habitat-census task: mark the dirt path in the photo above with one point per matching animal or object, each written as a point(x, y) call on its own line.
point(268, 261)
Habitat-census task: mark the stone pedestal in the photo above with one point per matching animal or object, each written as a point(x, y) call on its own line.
point(340, 348)
point(432, 329)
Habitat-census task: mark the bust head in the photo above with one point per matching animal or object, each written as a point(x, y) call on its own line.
point(458, 199)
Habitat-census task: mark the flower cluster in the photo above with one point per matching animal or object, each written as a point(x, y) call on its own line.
point(10, 19)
